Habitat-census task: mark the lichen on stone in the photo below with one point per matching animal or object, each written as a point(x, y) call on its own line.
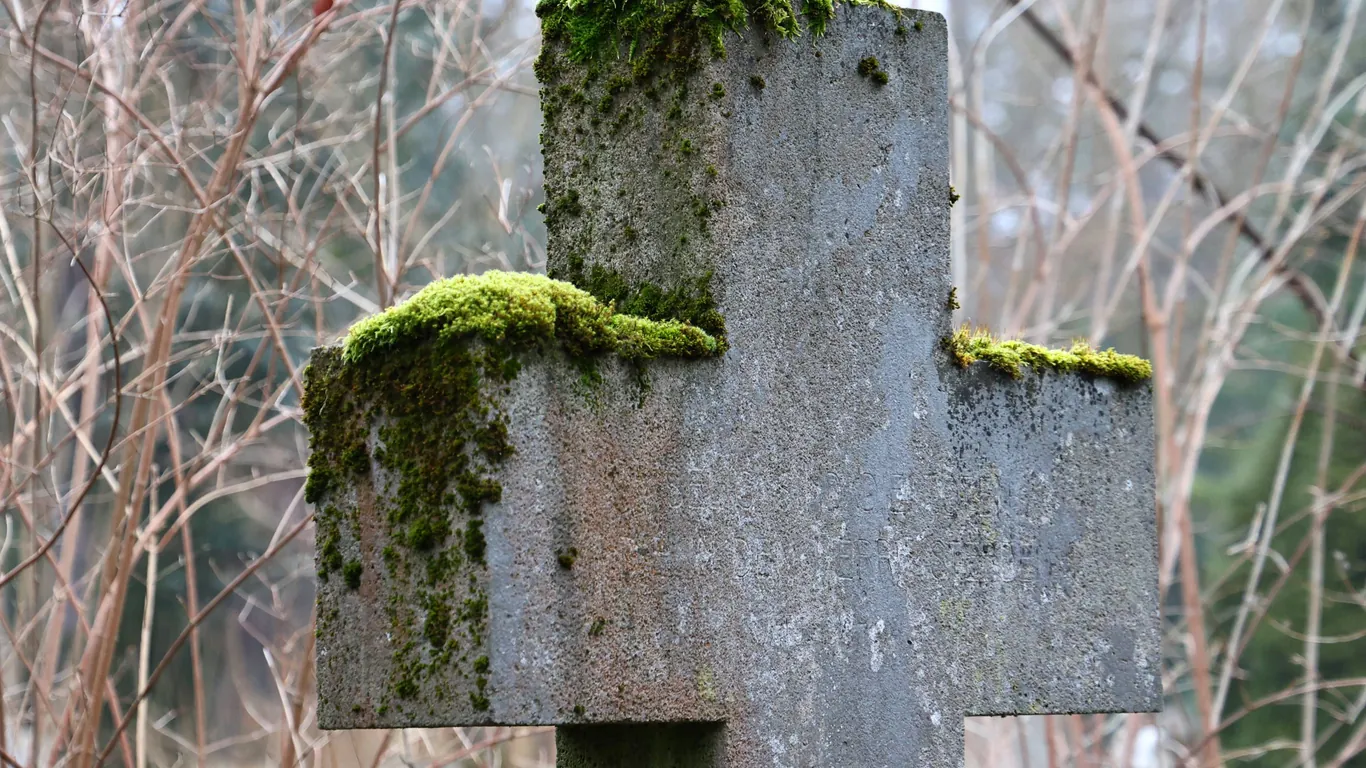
point(968, 346)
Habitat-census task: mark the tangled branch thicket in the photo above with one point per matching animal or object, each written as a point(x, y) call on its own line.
point(193, 193)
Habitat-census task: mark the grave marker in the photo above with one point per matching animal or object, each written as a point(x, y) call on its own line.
point(825, 546)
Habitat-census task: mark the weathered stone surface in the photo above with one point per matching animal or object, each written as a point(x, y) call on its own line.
point(826, 547)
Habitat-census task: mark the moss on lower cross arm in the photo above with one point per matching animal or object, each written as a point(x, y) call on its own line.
point(969, 346)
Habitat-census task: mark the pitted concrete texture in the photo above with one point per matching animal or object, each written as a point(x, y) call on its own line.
point(830, 545)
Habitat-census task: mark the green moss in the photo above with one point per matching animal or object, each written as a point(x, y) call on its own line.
point(565, 205)
point(718, 90)
point(819, 13)
point(437, 626)
point(475, 607)
point(519, 309)
point(599, 624)
point(1012, 357)
point(758, 82)
point(654, 34)
point(443, 565)
point(567, 557)
point(871, 68)
point(317, 484)
point(476, 491)
point(687, 305)
point(953, 299)
point(356, 460)
point(954, 197)
point(329, 542)
point(351, 572)
point(474, 541)
point(406, 688)
point(426, 531)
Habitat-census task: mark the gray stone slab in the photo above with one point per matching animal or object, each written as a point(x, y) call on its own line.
point(824, 548)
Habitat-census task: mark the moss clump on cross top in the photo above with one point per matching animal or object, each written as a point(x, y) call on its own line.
point(969, 346)
point(507, 307)
point(655, 32)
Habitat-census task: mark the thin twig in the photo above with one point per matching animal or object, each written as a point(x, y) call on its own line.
point(382, 278)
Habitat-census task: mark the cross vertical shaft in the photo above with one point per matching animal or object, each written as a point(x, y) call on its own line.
point(824, 547)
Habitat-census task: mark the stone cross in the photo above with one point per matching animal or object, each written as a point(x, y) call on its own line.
point(824, 547)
